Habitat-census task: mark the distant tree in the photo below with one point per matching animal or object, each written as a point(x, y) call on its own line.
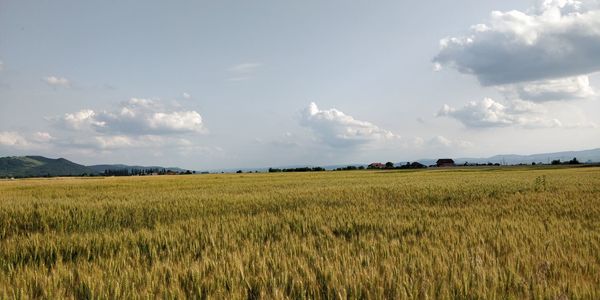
point(239, 171)
point(556, 162)
point(533, 163)
point(389, 165)
point(347, 168)
point(574, 161)
point(116, 172)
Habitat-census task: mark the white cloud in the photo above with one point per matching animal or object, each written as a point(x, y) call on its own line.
point(19, 140)
point(57, 81)
point(555, 40)
point(489, 113)
point(136, 116)
point(186, 96)
point(337, 129)
point(13, 139)
point(42, 137)
point(176, 121)
point(1, 65)
point(136, 123)
point(83, 119)
point(569, 88)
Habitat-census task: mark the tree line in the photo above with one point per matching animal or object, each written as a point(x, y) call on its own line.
point(143, 172)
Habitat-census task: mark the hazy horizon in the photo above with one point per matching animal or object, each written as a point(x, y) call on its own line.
point(202, 85)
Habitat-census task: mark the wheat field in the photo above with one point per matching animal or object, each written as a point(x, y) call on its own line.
point(478, 233)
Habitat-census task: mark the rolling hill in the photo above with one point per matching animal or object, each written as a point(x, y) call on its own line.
point(38, 166)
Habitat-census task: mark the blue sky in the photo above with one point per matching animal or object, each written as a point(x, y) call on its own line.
point(222, 84)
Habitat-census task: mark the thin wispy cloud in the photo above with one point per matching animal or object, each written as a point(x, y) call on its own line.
point(12, 138)
point(243, 71)
point(56, 81)
point(488, 113)
point(562, 89)
point(25, 141)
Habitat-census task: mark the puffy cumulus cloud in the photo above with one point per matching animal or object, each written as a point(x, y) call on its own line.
point(565, 6)
point(559, 38)
point(83, 119)
point(136, 123)
point(138, 117)
point(570, 88)
point(179, 121)
point(337, 129)
point(57, 81)
point(13, 139)
point(489, 113)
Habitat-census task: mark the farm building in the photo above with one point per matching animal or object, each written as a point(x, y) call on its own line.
point(445, 162)
point(376, 166)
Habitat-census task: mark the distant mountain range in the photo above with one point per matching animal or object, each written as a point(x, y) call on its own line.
point(39, 166)
point(583, 156)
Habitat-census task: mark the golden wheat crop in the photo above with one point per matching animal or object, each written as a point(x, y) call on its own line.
point(434, 234)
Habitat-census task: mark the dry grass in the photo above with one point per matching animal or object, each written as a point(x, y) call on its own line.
point(480, 233)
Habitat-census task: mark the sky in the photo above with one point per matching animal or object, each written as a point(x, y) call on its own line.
point(242, 84)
